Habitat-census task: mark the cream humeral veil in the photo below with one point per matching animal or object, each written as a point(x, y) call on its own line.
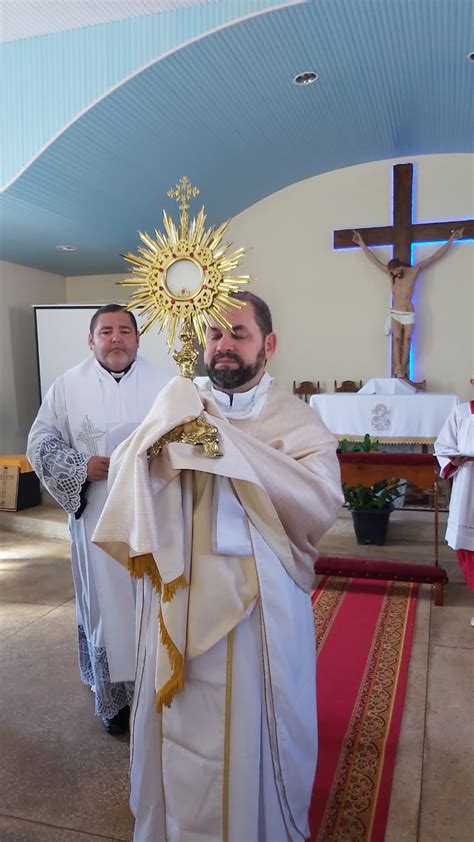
point(147, 524)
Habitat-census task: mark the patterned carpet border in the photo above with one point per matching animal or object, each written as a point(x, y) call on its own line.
point(357, 802)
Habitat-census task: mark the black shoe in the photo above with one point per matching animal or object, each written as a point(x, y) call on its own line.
point(118, 724)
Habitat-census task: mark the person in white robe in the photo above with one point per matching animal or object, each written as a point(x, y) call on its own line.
point(454, 449)
point(224, 728)
point(85, 414)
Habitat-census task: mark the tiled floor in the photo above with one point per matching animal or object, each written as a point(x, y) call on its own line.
point(63, 779)
point(61, 776)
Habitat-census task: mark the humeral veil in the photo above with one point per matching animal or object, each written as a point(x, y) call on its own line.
point(224, 735)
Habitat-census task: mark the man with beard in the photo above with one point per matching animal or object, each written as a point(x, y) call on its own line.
point(235, 360)
point(224, 737)
point(401, 318)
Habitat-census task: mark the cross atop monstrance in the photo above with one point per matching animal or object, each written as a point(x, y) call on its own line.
point(183, 191)
point(404, 232)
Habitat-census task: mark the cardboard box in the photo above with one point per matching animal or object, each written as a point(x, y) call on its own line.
point(19, 485)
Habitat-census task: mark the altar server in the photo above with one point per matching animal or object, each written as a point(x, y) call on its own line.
point(454, 449)
point(224, 736)
point(85, 414)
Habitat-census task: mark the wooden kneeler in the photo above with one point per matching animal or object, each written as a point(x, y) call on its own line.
point(361, 568)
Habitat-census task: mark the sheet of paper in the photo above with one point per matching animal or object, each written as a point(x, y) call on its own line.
point(116, 435)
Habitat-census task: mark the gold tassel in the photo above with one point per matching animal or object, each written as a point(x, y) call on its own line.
point(175, 683)
point(141, 565)
point(168, 589)
point(145, 565)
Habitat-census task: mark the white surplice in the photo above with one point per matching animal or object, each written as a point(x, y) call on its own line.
point(457, 438)
point(87, 412)
point(233, 757)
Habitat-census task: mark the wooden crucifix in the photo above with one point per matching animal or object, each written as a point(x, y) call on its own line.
point(401, 236)
point(403, 232)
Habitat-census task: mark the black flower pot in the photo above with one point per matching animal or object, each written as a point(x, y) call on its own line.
point(370, 525)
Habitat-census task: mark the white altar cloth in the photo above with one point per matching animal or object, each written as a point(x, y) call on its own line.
point(394, 419)
point(386, 386)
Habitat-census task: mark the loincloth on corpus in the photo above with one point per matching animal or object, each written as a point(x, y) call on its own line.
point(404, 317)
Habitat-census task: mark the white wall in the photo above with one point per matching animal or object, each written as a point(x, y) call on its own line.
point(330, 306)
point(95, 289)
point(20, 287)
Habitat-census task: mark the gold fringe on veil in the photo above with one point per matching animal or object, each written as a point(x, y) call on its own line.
point(145, 565)
point(175, 684)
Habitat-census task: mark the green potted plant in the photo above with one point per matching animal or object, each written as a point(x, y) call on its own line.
point(369, 445)
point(366, 446)
point(370, 507)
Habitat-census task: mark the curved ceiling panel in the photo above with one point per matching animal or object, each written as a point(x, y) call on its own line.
point(46, 82)
point(28, 18)
point(393, 81)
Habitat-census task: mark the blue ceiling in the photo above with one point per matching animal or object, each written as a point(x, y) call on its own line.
point(222, 109)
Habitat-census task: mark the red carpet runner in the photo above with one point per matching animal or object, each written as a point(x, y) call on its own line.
point(364, 630)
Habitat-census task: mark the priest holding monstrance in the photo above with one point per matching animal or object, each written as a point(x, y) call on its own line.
point(216, 505)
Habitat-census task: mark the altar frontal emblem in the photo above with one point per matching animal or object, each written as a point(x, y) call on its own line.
point(381, 420)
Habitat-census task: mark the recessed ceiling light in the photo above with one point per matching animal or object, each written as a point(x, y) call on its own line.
point(470, 56)
point(66, 248)
point(306, 78)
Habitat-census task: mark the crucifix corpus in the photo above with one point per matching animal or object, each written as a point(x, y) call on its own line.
point(401, 235)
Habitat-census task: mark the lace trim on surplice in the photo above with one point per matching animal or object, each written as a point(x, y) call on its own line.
point(62, 470)
point(94, 668)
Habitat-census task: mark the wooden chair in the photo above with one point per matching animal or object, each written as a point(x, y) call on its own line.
point(305, 389)
point(347, 386)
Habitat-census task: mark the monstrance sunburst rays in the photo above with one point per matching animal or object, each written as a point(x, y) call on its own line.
point(184, 274)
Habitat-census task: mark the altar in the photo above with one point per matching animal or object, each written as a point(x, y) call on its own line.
point(414, 418)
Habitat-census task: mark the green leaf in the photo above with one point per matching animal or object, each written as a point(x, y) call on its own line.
point(366, 446)
point(377, 496)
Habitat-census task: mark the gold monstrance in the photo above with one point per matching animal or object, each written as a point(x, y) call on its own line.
point(183, 276)
point(183, 280)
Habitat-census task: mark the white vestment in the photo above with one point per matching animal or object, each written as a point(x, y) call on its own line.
point(232, 753)
point(457, 439)
point(86, 412)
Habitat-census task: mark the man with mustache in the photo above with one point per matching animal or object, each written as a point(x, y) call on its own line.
point(85, 414)
point(224, 736)
point(401, 318)
point(235, 359)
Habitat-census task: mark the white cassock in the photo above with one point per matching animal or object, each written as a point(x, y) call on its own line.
point(85, 413)
point(457, 438)
point(230, 660)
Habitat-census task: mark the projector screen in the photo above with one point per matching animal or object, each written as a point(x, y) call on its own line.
point(61, 338)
